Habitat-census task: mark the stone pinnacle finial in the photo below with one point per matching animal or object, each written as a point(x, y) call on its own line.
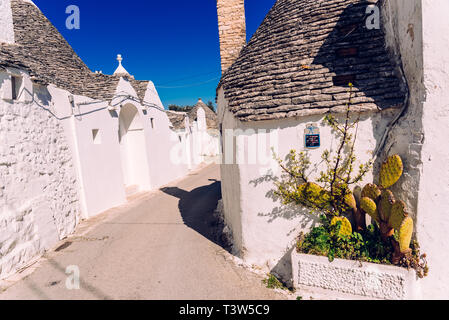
point(121, 71)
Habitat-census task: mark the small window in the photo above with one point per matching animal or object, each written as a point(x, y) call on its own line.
point(152, 123)
point(180, 138)
point(96, 136)
point(16, 84)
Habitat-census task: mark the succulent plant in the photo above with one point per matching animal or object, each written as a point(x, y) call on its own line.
point(369, 206)
point(398, 214)
point(346, 227)
point(405, 234)
point(350, 201)
point(371, 191)
point(312, 193)
point(391, 214)
point(391, 171)
point(385, 204)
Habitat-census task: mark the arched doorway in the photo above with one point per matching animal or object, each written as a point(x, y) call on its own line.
point(133, 149)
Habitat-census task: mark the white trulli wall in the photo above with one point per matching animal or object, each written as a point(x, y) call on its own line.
point(65, 157)
point(38, 187)
point(418, 33)
point(264, 230)
point(433, 220)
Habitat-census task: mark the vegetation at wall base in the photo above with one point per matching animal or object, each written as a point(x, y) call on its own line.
point(272, 282)
point(388, 240)
point(366, 246)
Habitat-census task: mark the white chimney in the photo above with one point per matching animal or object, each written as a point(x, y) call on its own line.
point(6, 22)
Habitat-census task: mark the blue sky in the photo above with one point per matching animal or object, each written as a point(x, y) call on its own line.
point(174, 43)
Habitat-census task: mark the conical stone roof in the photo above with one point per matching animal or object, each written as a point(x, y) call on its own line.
point(211, 116)
point(41, 50)
point(302, 57)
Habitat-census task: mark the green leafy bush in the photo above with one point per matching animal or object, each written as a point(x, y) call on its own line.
point(365, 246)
point(326, 240)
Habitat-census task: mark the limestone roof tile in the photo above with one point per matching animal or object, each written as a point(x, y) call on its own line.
point(177, 119)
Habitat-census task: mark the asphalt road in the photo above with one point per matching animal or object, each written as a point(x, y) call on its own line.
point(161, 245)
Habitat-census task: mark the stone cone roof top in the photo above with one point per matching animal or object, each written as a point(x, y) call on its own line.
point(211, 116)
point(41, 50)
point(302, 57)
point(120, 71)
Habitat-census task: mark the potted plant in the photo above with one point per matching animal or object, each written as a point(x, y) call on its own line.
point(343, 207)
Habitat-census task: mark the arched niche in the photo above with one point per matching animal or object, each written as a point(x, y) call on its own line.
point(133, 148)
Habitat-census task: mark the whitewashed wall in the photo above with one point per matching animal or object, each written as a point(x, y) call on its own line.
point(418, 33)
point(61, 161)
point(168, 156)
point(264, 230)
point(38, 186)
point(433, 207)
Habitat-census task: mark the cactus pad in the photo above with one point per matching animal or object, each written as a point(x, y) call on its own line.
point(371, 191)
point(313, 194)
point(386, 202)
point(346, 228)
point(405, 234)
point(398, 214)
point(350, 201)
point(391, 171)
point(369, 206)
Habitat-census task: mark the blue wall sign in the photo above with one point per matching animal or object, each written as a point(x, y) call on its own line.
point(312, 139)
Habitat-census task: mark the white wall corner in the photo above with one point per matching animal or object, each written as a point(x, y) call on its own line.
point(5, 86)
point(6, 22)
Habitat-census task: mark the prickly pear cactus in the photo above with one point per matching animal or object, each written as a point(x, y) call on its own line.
point(398, 214)
point(369, 207)
point(312, 193)
point(386, 203)
point(371, 191)
point(346, 227)
point(350, 201)
point(391, 171)
point(405, 234)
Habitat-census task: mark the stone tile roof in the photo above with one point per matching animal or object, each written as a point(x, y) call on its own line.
point(211, 116)
point(41, 50)
point(177, 119)
point(302, 57)
point(140, 87)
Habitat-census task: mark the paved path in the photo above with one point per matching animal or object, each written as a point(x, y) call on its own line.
point(159, 246)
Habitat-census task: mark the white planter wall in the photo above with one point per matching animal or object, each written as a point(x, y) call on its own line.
point(346, 279)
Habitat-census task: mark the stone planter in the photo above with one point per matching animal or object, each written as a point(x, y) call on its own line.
point(348, 279)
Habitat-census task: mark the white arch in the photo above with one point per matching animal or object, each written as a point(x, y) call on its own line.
point(133, 148)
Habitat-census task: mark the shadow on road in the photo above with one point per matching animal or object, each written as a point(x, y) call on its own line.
point(197, 209)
